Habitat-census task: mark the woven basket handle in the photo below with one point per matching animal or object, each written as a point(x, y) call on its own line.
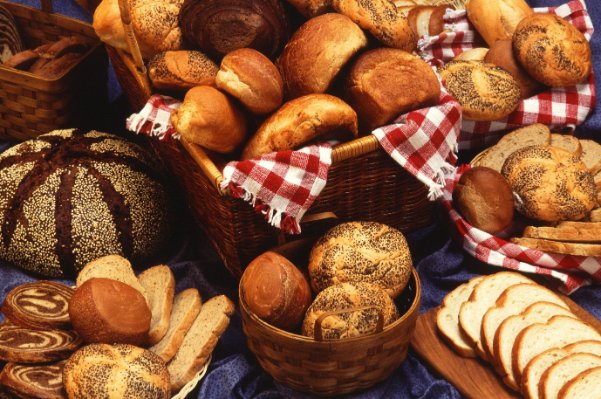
point(130, 37)
point(320, 319)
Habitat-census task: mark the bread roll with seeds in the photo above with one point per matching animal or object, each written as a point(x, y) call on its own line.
point(181, 70)
point(496, 19)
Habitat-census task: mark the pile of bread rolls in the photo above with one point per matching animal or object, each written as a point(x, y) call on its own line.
point(355, 272)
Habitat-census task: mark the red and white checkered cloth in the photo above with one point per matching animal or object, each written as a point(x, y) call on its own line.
point(559, 108)
point(572, 271)
point(154, 118)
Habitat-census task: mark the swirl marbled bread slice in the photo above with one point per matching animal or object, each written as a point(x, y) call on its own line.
point(40, 304)
point(563, 371)
point(159, 285)
point(585, 385)
point(447, 317)
point(34, 381)
point(22, 345)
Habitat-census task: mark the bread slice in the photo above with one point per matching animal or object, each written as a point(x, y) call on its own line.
point(159, 284)
point(591, 155)
point(537, 366)
point(536, 134)
point(485, 294)
point(568, 248)
point(558, 332)
point(509, 329)
point(597, 179)
point(585, 385)
point(201, 339)
point(186, 306)
point(564, 370)
point(566, 142)
point(513, 301)
point(596, 215)
point(114, 267)
point(447, 317)
point(574, 231)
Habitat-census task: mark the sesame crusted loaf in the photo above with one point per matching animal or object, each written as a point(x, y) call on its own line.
point(591, 155)
point(564, 370)
point(113, 267)
point(568, 248)
point(574, 231)
point(566, 142)
point(159, 285)
point(585, 385)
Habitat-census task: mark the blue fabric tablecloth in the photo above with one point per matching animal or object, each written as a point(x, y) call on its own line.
point(442, 265)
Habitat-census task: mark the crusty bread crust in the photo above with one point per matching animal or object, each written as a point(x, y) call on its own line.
point(496, 19)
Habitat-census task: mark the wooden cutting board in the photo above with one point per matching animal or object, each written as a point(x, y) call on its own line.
point(474, 378)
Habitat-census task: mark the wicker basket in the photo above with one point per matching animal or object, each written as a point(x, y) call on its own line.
point(31, 105)
point(332, 367)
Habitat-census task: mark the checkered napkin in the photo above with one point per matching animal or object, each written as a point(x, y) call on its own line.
point(557, 107)
point(154, 118)
point(572, 271)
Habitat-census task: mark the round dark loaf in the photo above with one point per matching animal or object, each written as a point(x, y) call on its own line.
point(69, 197)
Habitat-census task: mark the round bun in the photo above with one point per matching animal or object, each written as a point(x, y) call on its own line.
point(501, 54)
point(486, 92)
point(361, 252)
point(496, 19)
point(116, 371)
point(311, 8)
point(349, 323)
point(181, 70)
point(550, 184)
point(276, 291)
point(108, 311)
point(484, 198)
point(209, 118)
point(249, 76)
point(300, 121)
point(427, 20)
point(384, 83)
point(552, 50)
point(317, 52)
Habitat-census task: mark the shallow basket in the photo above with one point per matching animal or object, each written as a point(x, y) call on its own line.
point(31, 105)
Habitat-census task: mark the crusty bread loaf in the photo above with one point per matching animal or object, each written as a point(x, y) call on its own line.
point(312, 8)
point(474, 54)
point(591, 155)
point(159, 284)
point(574, 231)
point(447, 317)
point(200, 340)
point(114, 267)
point(563, 371)
point(568, 248)
point(186, 306)
point(181, 70)
point(496, 19)
point(567, 142)
point(584, 386)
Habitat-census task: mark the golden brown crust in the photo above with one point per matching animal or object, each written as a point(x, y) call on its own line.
point(496, 19)
point(312, 8)
point(181, 70)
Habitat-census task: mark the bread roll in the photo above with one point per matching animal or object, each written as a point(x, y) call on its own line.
point(22, 60)
point(427, 20)
point(384, 83)
point(361, 252)
point(474, 54)
point(484, 198)
point(181, 70)
point(276, 291)
point(380, 18)
point(249, 76)
point(316, 53)
point(552, 50)
point(300, 121)
point(209, 118)
point(496, 19)
point(312, 8)
point(485, 91)
point(550, 184)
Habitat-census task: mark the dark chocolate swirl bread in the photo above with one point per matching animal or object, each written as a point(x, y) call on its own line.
point(23, 345)
point(218, 27)
point(34, 381)
point(69, 197)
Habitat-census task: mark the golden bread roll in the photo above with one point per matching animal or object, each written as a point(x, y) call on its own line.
point(550, 184)
point(486, 92)
point(209, 118)
point(300, 121)
point(181, 70)
point(427, 20)
point(312, 8)
point(385, 82)
point(552, 50)
point(251, 77)
point(496, 19)
point(317, 52)
point(474, 54)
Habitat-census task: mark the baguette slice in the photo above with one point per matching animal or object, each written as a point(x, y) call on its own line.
point(566, 142)
point(558, 332)
point(574, 231)
point(201, 339)
point(596, 215)
point(567, 248)
point(564, 370)
point(114, 267)
point(509, 329)
point(586, 385)
point(591, 155)
point(185, 310)
point(159, 284)
point(447, 317)
point(537, 367)
point(485, 294)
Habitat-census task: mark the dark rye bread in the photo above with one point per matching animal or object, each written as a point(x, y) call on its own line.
point(69, 197)
point(23, 345)
point(34, 381)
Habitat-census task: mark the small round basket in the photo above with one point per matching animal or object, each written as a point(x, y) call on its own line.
point(333, 367)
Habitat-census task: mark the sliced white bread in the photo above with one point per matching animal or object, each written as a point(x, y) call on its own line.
point(447, 317)
point(514, 300)
point(186, 307)
point(573, 231)
point(200, 340)
point(159, 284)
point(563, 371)
point(509, 329)
point(567, 248)
point(485, 294)
point(114, 267)
point(537, 366)
point(591, 155)
point(558, 332)
point(566, 142)
point(596, 215)
point(586, 385)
